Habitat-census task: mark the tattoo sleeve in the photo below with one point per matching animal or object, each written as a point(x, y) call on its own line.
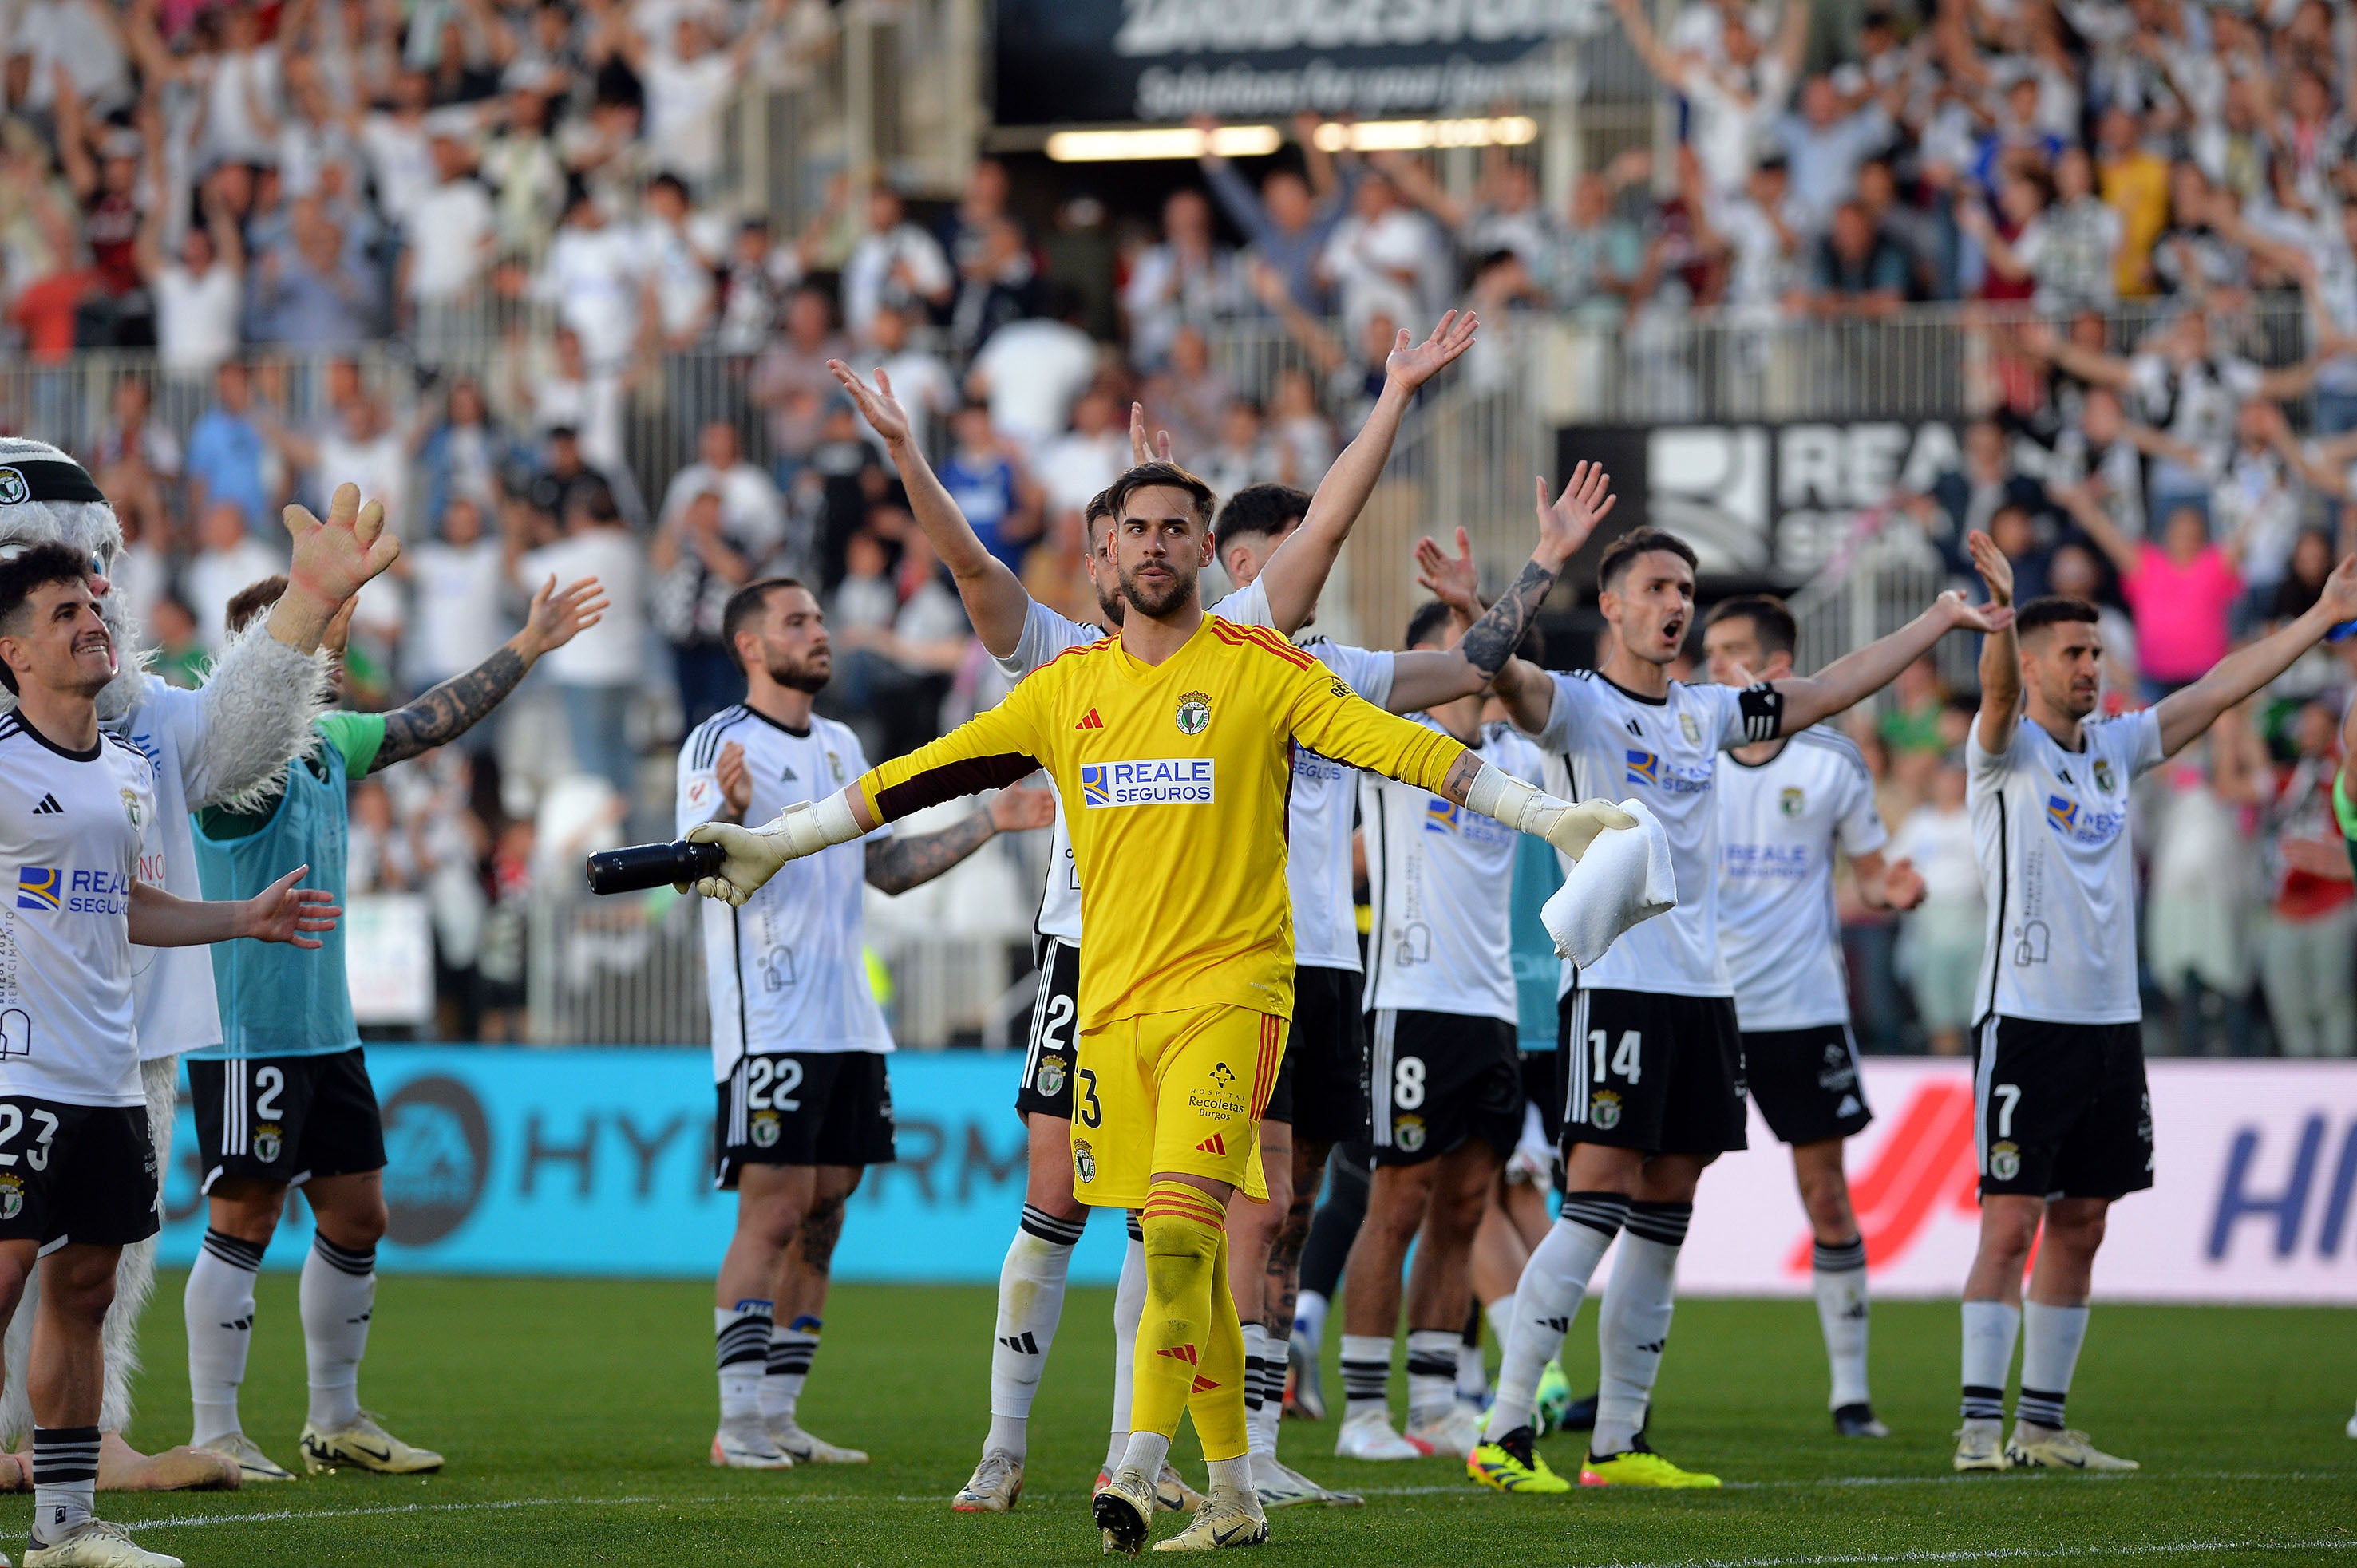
point(450, 710)
point(896, 865)
point(1493, 638)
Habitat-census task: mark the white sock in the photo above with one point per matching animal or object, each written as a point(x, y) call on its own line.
point(219, 1307)
point(1840, 1278)
point(1030, 1304)
point(1431, 1373)
point(337, 1294)
point(741, 1343)
point(1263, 1392)
point(1472, 1372)
point(1255, 1371)
point(1367, 1374)
point(1548, 1297)
point(1633, 1324)
point(1501, 1314)
point(2050, 1337)
point(65, 1479)
point(1990, 1330)
point(1128, 1311)
point(1309, 1308)
point(786, 1368)
point(1231, 1474)
point(1144, 1452)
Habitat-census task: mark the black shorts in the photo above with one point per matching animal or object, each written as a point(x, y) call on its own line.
point(1047, 1086)
point(1321, 1084)
point(1660, 1074)
point(1543, 1087)
point(1446, 1077)
point(1805, 1082)
point(2060, 1110)
point(286, 1118)
point(804, 1108)
point(76, 1172)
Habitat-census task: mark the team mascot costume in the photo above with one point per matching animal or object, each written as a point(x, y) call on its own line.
point(227, 744)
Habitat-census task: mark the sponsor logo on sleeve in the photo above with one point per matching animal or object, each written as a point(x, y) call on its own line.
point(1148, 781)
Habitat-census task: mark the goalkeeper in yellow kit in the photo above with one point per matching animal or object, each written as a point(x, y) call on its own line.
point(1171, 744)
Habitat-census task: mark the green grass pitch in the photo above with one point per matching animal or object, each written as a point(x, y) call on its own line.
point(576, 1416)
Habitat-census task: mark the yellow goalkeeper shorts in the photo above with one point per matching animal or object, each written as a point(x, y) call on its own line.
point(1177, 1093)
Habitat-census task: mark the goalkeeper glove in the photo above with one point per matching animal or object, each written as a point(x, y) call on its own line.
point(755, 854)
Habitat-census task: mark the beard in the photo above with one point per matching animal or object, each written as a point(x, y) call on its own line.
point(807, 676)
point(1157, 602)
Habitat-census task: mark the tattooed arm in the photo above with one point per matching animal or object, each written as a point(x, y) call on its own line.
point(896, 865)
point(457, 705)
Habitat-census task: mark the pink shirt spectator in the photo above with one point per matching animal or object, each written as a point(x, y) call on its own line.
point(2180, 611)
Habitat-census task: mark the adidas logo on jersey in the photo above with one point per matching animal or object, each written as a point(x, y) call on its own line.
point(1090, 721)
point(787, 776)
point(1214, 1144)
point(49, 807)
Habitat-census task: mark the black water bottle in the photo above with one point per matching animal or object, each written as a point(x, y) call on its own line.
point(653, 865)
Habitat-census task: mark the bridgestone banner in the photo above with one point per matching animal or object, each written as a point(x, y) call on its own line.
point(1091, 62)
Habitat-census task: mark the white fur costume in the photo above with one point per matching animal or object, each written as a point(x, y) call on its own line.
point(227, 745)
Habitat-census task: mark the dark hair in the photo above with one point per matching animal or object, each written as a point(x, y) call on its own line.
point(1771, 623)
point(1160, 475)
point(35, 568)
point(745, 605)
point(1099, 510)
point(1262, 509)
point(2050, 610)
point(253, 599)
point(669, 181)
point(1633, 543)
point(1421, 625)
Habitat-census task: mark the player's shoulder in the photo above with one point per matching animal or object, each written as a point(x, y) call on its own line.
point(1068, 660)
point(702, 747)
point(1250, 641)
point(1828, 743)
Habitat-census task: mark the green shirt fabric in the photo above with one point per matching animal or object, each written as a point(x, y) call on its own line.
point(2345, 809)
point(357, 736)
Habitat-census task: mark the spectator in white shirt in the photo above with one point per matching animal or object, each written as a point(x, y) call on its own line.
point(1030, 372)
point(199, 295)
point(1188, 279)
point(894, 263)
point(597, 672)
point(459, 581)
point(1385, 259)
point(677, 248)
point(451, 230)
point(1940, 950)
point(751, 510)
point(227, 559)
point(242, 92)
point(689, 85)
point(398, 148)
point(922, 382)
point(592, 277)
point(1074, 466)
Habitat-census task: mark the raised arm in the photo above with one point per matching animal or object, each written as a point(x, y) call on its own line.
point(2186, 713)
point(994, 597)
point(1857, 675)
point(458, 705)
point(1648, 43)
point(1295, 574)
point(2081, 505)
point(2001, 654)
point(2090, 365)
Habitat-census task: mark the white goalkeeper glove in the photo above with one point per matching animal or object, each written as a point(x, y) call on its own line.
point(755, 854)
point(1570, 826)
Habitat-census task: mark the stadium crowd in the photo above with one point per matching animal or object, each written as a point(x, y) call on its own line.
point(2124, 204)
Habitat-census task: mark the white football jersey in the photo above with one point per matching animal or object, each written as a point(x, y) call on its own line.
point(2051, 830)
point(1604, 742)
point(1778, 824)
point(1438, 877)
point(172, 988)
point(788, 970)
point(1317, 825)
point(73, 825)
point(1046, 633)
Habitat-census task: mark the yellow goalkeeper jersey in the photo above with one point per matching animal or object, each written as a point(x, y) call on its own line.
point(1175, 780)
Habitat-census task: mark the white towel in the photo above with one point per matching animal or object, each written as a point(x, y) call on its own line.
point(1624, 878)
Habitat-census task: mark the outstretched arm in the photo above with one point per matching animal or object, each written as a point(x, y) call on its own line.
point(897, 864)
point(1295, 574)
point(2185, 714)
point(1857, 675)
point(458, 705)
point(994, 597)
point(2000, 654)
point(281, 912)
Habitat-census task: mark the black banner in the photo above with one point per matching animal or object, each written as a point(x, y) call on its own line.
point(1159, 62)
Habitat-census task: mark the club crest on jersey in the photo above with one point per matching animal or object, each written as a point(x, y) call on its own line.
point(1148, 781)
point(1052, 1075)
point(12, 1186)
point(1084, 1160)
point(1688, 728)
point(1194, 712)
point(1792, 802)
point(2103, 773)
point(267, 1142)
point(834, 765)
point(134, 812)
point(764, 1129)
point(1407, 1134)
point(1604, 1109)
point(2004, 1161)
point(38, 886)
point(13, 492)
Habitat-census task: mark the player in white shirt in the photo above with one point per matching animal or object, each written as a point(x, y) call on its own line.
point(1784, 807)
point(76, 807)
point(1445, 1071)
point(2063, 1122)
point(798, 1042)
point(1651, 1053)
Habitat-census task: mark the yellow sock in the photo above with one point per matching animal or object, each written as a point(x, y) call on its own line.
point(1186, 1241)
point(1217, 1401)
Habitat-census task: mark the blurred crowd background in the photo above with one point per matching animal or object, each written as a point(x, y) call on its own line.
point(558, 282)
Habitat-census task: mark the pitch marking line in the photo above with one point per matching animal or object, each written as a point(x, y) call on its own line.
point(1468, 1493)
point(2004, 1554)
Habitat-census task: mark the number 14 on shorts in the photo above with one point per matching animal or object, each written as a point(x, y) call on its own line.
point(1626, 1060)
